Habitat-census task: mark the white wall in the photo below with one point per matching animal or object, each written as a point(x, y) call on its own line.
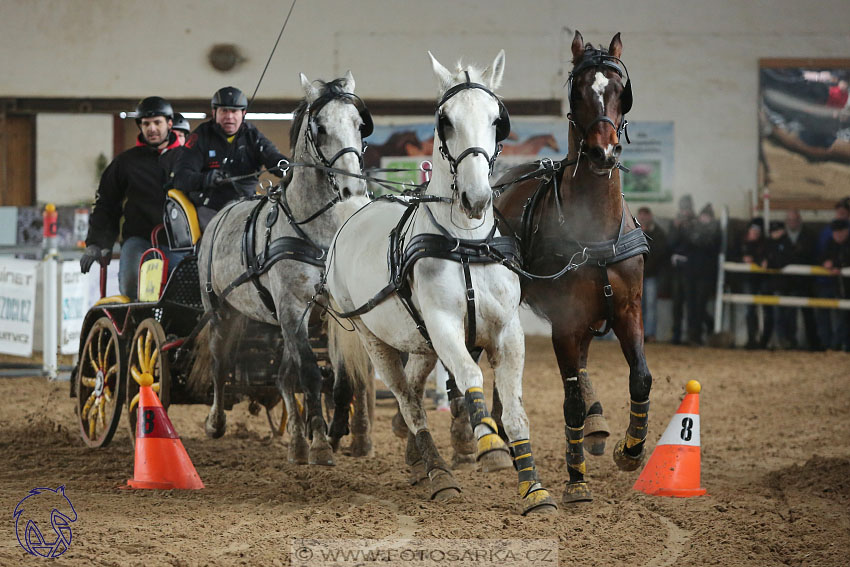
point(693, 62)
point(67, 148)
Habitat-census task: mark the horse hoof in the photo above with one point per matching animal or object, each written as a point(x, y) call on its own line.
point(361, 446)
point(596, 432)
point(539, 502)
point(399, 426)
point(496, 460)
point(443, 485)
point(417, 473)
point(214, 430)
point(322, 455)
point(576, 492)
point(624, 461)
point(595, 444)
point(463, 460)
point(298, 450)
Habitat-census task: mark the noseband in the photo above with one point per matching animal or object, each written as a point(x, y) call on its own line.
point(596, 59)
point(503, 128)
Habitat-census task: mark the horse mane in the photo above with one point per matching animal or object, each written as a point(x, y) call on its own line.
point(334, 87)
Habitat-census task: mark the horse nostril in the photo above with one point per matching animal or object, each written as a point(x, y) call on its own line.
point(464, 200)
point(597, 154)
point(618, 149)
point(346, 192)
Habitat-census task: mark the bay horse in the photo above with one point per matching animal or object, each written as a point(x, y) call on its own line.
point(571, 219)
point(448, 290)
point(279, 243)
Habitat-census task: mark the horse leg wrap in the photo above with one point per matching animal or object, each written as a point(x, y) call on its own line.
point(596, 430)
point(531, 491)
point(492, 451)
point(576, 489)
point(629, 452)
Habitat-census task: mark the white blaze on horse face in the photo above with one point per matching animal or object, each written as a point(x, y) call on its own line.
point(599, 84)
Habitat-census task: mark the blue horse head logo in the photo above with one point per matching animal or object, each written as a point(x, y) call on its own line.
point(35, 507)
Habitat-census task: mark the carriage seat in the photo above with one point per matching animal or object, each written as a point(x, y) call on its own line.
point(181, 221)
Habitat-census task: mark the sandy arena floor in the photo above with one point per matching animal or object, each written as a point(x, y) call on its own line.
point(775, 460)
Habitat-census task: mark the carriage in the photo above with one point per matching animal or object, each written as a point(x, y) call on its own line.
point(122, 338)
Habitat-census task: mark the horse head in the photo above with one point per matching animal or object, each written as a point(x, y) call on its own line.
point(470, 123)
point(329, 125)
point(600, 96)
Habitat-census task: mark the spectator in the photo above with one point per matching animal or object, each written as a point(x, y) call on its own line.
point(130, 197)
point(833, 325)
point(655, 261)
point(802, 252)
point(777, 255)
point(181, 128)
point(842, 211)
point(680, 248)
point(752, 252)
point(223, 147)
point(701, 272)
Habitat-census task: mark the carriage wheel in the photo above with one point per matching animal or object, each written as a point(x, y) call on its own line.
point(100, 388)
point(146, 356)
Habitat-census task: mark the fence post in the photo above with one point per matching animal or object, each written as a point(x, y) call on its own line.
point(50, 365)
point(721, 279)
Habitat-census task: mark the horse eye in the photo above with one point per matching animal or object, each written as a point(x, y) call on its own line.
point(321, 130)
point(444, 120)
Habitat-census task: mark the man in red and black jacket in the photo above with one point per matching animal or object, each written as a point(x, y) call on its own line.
point(225, 146)
point(130, 197)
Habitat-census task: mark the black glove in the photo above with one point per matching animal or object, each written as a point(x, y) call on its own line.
point(94, 253)
point(214, 178)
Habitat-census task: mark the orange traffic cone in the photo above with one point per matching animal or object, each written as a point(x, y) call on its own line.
point(674, 467)
point(161, 461)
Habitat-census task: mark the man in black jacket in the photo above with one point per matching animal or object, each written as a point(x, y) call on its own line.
point(129, 200)
point(224, 147)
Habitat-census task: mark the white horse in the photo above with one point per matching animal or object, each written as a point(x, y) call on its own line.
point(462, 297)
point(294, 227)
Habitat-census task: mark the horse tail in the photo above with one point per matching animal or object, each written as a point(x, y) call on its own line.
point(200, 377)
point(347, 352)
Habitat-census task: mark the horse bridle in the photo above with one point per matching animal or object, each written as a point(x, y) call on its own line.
point(596, 58)
point(503, 129)
point(312, 132)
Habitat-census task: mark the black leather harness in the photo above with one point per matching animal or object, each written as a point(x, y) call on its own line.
point(402, 256)
point(624, 246)
point(299, 248)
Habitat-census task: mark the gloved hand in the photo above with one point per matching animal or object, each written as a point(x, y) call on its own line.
point(214, 178)
point(92, 254)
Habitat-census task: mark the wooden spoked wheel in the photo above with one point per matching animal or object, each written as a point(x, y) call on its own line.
point(100, 387)
point(146, 356)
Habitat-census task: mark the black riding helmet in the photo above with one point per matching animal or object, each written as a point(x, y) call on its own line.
point(180, 123)
point(229, 97)
point(153, 106)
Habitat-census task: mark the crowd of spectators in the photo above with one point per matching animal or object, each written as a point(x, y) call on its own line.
point(683, 264)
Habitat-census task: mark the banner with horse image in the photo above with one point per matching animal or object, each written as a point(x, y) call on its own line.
point(804, 129)
point(405, 146)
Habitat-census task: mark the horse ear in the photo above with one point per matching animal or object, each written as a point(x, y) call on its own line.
point(616, 47)
point(493, 74)
point(310, 90)
point(577, 47)
point(443, 75)
point(348, 82)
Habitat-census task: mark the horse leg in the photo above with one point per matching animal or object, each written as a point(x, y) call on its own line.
point(463, 438)
point(222, 362)
point(414, 369)
point(507, 360)
point(364, 416)
point(567, 350)
point(492, 452)
point(298, 447)
point(343, 395)
point(596, 430)
point(387, 362)
point(321, 452)
point(630, 451)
